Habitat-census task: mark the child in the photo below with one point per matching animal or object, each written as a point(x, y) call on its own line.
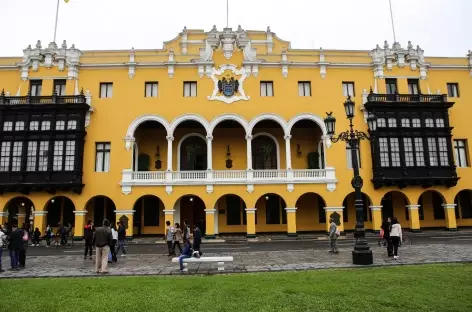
point(36, 237)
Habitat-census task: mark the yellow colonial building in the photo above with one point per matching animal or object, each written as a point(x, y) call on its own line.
point(226, 128)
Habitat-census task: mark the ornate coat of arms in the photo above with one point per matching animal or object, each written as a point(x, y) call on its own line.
point(228, 87)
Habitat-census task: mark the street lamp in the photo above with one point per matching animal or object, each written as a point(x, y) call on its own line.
point(361, 254)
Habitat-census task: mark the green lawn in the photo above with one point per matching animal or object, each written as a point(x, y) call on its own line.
point(407, 288)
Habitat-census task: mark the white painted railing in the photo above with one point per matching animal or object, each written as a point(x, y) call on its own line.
point(210, 177)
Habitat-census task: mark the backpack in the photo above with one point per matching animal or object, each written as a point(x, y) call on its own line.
point(25, 236)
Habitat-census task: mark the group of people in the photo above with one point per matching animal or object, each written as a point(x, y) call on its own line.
point(392, 233)
point(16, 240)
point(175, 235)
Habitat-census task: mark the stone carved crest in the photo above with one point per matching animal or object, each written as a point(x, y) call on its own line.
point(228, 89)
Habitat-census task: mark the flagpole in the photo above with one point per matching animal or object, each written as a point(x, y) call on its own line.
point(227, 13)
point(393, 25)
point(57, 15)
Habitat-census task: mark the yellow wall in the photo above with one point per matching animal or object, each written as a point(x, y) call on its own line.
point(112, 117)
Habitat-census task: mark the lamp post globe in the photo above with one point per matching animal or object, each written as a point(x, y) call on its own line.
point(349, 107)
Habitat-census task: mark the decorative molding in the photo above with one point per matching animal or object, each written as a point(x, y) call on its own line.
point(449, 206)
point(332, 209)
point(125, 212)
point(88, 100)
point(269, 40)
point(469, 56)
point(323, 64)
point(21, 215)
point(131, 64)
point(5, 213)
point(376, 208)
point(184, 41)
point(250, 188)
point(210, 211)
point(49, 57)
point(209, 188)
point(284, 63)
point(169, 212)
point(39, 213)
point(169, 189)
point(251, 210)
point(171, 64)
point(238, 72)
point(81, 212)
point(234, 117)
point(288, 210)
point(129, 141)
point(413, 207)
point(290, 187)
point(188, 117)
point(143, 118)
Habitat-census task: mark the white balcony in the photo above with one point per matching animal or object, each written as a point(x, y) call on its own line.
point(227, 177)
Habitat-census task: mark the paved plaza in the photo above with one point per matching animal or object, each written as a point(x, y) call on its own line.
point(253, 261)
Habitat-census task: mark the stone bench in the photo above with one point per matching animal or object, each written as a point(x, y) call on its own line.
point(221, 261)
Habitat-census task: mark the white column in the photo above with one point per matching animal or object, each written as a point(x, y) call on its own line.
point(249, 151)
point(209, 152)
point(169, 152)
point(288, 154)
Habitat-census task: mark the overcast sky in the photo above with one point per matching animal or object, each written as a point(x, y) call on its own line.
point(440, 27)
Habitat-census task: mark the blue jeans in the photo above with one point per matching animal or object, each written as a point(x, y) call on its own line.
point(14, 257)
point(121, 245)
point(181, 261)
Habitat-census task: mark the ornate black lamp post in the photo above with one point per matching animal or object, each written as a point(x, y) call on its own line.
point(361, 254)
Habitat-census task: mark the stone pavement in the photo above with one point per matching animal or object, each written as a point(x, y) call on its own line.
point(287, 260)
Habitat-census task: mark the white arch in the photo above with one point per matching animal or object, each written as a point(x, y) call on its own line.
point(307, 116)
point(182, 140)
point(277, 147)
point(149, 117)
point(189, 117)
point(217, 120)
point(272, 117)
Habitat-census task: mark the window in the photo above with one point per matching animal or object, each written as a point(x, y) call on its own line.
point(35, 87)
point(453, 89)
point(406, 123)
point(439, 122)
point(432, 149)
point(304, 88)
point(408, 150)
point(419, 152)
point(395, 152)
point(31, 156)
point(16, 157)
point(60, 87)
point(43, 156)
point(34, 125)
point(106, 89)
point(45, 125)
point(416, 123)
point(391, 85)
point(58, 155)
point(5, 156)
point(8, 126)
point(70, 156)
point(19, 126)
point(348, 89)
point(392, 123)
point(429, 122)
point(413, 86)
point(460, 152)
point(102, 162)
point(60, 125)
point(190, 89)
point(443, 156)
point(72, 125)
point(384, 159)
point(381, 123)
point(349, 157)
point(267, 88)
point(150, 89)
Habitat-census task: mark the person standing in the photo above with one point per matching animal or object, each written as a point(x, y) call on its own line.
point(36, 237)
point(114, 234)
point(14, 246)
point(386, 235)
point(333, 236)
point(186, 231)
point(102, 240)
point(121, 239)
point(177, 238)
point(3, 243)
point(197, 239)
point(88, 236)
point(170, 238)
point(24, 246)
point(395, 236)
point(48, 235)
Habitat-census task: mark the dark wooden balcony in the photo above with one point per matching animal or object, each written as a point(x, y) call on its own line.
point(50, 99)
point(407, 98)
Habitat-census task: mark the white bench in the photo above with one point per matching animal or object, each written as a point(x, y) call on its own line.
point(221, 261)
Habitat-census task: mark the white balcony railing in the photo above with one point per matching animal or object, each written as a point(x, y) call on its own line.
point(131, 178)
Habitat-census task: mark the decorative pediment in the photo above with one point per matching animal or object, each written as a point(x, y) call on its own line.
point(51, 56)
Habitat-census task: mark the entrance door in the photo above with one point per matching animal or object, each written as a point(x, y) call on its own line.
point(264, 153)
point(193, 154)
point(387, 206)
point(192, 209)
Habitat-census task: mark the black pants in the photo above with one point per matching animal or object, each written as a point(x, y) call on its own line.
point(396, 242)
point(176, 243)
point(88, 247)
point(22, 257)
point(169, 246)
point(113, 250)
point(196, 247)
point(389, 246)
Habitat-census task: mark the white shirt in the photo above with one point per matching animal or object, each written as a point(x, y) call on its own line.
point(114, 234)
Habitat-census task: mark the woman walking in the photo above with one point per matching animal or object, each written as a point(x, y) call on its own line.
point(395, 236)
point(177, 237)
